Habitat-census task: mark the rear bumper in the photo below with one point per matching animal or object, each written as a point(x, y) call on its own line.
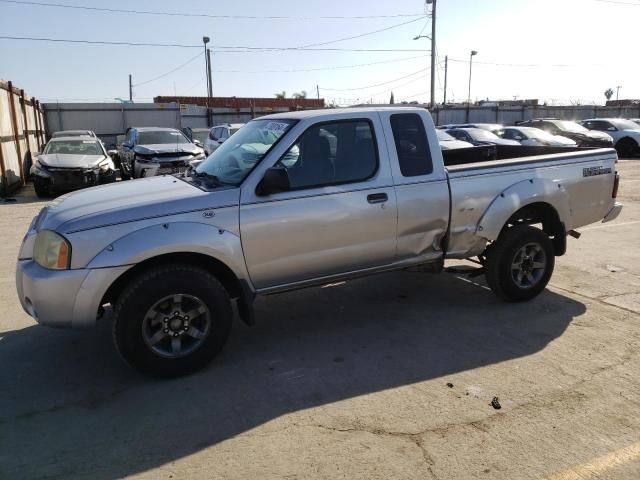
point(63, 298)
point(613, 213)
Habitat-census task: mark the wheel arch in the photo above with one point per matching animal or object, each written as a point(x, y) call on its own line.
point(533, 201)
point(237, 288)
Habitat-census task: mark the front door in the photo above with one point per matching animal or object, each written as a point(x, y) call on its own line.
point(339, 216)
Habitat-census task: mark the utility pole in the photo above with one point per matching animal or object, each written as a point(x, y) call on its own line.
point(446, 68)
point(618, 91)
point(130, 89)
point(318, 91)
point(433, 52)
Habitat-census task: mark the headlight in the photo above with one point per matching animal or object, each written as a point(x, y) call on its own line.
point(38, 167)
point(106, 165)
point(52, 250)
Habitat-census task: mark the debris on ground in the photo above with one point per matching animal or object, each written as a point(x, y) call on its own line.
point(613, 268)
point(495, 403)
point(449, 384)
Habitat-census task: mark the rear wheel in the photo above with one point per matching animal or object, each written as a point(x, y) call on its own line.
point(626, 147)
point(172, 320)
point(520, 263)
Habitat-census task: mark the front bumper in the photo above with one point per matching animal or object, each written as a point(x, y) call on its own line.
point(68, 179)
point(63, 298)
point(613, 213)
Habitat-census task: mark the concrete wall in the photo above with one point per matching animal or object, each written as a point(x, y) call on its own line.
point(109, 120)
point(510, 115)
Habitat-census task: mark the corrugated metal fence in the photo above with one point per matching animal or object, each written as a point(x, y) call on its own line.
point(22, 133)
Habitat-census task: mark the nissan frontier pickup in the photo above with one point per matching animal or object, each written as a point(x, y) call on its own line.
point(297, 200)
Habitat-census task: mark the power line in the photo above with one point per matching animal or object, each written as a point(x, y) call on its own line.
point(169, 72)
point(422, 70)
point(384, 92)
point(206, 15)
point(318, 69)
point(240, 49)
point(635, 4)
point(360, 35)
point(522, 65)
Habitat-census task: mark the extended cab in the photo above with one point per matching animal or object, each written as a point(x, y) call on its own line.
point(295, 200)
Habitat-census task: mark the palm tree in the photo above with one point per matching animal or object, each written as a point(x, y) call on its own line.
point(302, 94)
point(608, 93)
point(282, 94)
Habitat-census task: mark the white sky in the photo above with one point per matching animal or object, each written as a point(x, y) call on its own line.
point(593, 39)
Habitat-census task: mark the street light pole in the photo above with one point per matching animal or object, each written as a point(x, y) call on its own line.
point(473, 52)
point(618, 91)
point(433, 52)
point(205, 40)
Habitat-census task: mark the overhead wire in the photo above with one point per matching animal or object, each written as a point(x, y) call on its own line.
point(207, 15)
point(170, 71)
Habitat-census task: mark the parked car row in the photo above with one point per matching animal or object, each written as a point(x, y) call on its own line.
point(75, 159)
point(622, 134)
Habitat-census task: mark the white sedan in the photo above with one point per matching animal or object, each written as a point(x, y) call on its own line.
point(535, 137)
point(625, 133)
point(447, 142)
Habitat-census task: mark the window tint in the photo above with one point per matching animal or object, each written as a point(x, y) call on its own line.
point(330, 154)
point(412, 145)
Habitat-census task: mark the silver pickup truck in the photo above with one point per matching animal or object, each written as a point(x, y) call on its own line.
point(296, 200)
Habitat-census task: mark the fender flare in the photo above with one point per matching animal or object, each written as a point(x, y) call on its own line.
point(174, 237)
point(519, 195)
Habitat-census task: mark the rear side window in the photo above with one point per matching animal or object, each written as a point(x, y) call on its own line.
point(412, 145)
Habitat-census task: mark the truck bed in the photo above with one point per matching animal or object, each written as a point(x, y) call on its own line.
point(586, 174)
point(488, 153)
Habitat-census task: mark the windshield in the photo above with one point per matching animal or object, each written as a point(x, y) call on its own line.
point(572, 127)
point(160, 137)
point(480, 134)
point(444, 136)
point(200, 136)
point(74, 147)
point(232, 161)
point(621, 124)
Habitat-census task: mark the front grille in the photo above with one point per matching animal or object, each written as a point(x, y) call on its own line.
point(174, 164)
point(71, 177)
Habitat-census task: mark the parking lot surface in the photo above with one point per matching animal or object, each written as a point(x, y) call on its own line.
point(391, 376)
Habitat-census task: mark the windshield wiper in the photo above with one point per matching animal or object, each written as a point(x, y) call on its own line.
point(210, 177)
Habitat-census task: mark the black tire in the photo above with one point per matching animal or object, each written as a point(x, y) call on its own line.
point(145, 292)
point(42, 190)
point(626, 147)
point(505, 279)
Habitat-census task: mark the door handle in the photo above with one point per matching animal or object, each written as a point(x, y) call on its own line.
point(377, 198)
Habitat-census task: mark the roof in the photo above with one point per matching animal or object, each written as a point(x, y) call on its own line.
point(301, 114)
point(229, 125)
point(155, 129)
point(74, 138)
point(74, 133)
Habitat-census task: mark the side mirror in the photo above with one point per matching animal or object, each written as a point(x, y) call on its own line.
point(112, 153)
point(276, 179)
point(221, 140)
point(198, 143)
point(518, 137)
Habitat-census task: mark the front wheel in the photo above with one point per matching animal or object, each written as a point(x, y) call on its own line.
point(172, 320)
point(626, 148)
point(519, 263)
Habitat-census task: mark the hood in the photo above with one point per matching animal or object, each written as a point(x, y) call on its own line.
point(130, 201)
point(596, 135)
point(561, 141)
point(505, 141)
point(453, 144)
point(153, 149)
point(66, 160)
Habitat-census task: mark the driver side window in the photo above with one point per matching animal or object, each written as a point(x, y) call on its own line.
point(331, 154)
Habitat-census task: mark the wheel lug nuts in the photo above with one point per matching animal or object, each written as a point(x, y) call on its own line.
point(166, 319)
point(186, 317)
point(166, 330)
